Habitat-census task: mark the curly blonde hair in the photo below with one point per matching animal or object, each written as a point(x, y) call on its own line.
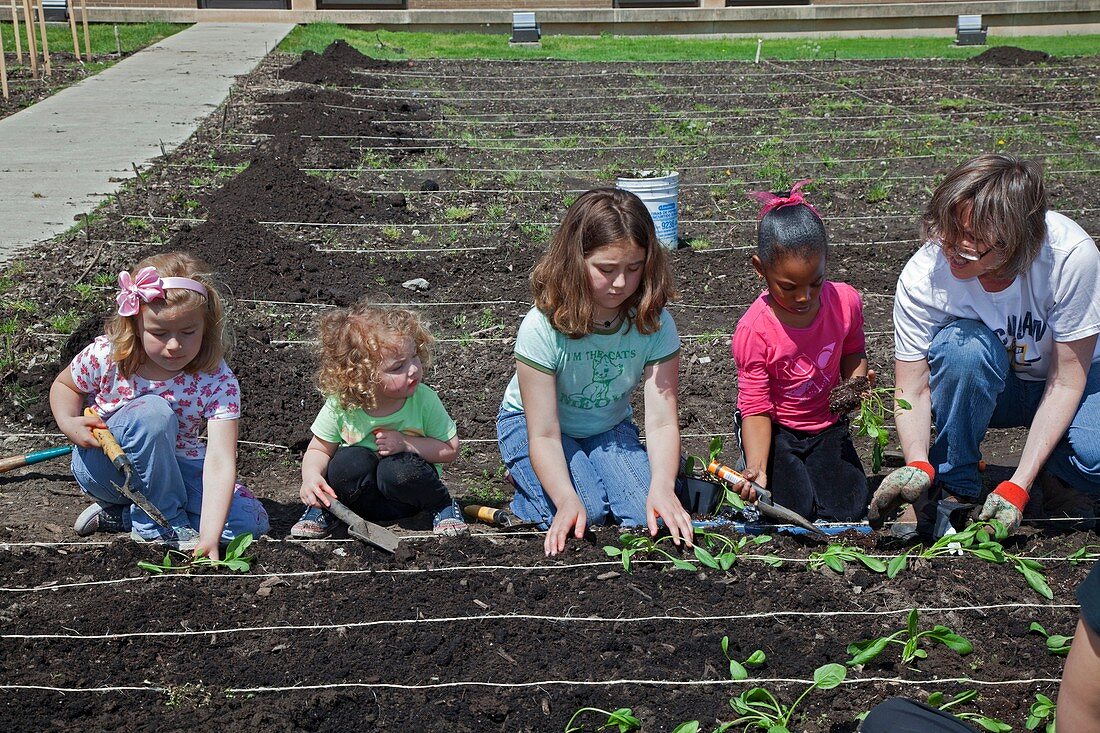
point(123, 331)
point(559, 282)
point(355, 340)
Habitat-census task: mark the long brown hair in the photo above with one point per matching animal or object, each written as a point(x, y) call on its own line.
point(122, 331)
point(559, 282)
point(1007, 202)
point(355, 340)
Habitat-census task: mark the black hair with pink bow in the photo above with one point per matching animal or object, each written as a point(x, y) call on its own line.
point(789, 226)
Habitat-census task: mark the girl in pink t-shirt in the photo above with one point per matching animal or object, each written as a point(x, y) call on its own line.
point(801, 338)
point(154, 378)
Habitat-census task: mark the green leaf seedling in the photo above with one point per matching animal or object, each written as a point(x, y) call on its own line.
point(871, 421)
point(759, 709)
point(621, 720)
point(738, 669)
point(910, 639)
point(837, 557)
point(234, 560)
point(982, 540)
point(1057, 644)
point(939, 701)
point(711, 549)
point(1043, 712)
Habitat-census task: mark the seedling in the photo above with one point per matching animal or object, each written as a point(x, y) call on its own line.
point(837, 557)
point(940, 702)
point(695, 466)
point(1043, 712)
point(909, 639)
point(759, 709)
point(1057, 644)
point(981, 539)
point(234, 560)
point(1088, 553)
point(737, 669)
point(621, 720)
point(711, 549)
point(871, 421)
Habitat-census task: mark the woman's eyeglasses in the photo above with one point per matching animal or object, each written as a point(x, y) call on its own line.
point(970, 255)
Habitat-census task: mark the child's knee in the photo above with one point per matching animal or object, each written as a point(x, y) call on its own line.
point(247, 515)
point(148, 416)
point(409, 478)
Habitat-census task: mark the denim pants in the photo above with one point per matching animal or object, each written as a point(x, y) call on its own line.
point(146, 429)
point(973, 388)
point(385, 488)
point(818, 475)
point(610, 473)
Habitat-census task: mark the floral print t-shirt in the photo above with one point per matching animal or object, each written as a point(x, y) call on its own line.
point(193, 397)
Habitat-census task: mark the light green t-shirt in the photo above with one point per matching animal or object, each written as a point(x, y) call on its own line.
point(595, 373)
point(422, 415)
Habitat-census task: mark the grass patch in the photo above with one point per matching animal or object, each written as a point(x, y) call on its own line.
point(399, 45)
point(132, 36)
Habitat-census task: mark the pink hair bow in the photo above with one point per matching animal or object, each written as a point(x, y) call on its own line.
point(144, 287)
point(771, 202)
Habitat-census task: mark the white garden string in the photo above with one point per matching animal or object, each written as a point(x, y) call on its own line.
point(537, 618)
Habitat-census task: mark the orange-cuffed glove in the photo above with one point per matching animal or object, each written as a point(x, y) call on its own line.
point(1006, 504)
point(902, 485)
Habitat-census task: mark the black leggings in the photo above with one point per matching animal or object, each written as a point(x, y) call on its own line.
point(385, 488)
point(901, 715)
point(818, 475)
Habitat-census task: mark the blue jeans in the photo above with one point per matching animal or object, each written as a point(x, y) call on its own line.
point(610, 473)
point(146, 429)
point(974, 388)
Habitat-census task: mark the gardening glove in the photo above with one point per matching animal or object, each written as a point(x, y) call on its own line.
point(1006, 505)
point(902, 485)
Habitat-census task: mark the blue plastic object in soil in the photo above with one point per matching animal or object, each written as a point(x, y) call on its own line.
point(763, 528)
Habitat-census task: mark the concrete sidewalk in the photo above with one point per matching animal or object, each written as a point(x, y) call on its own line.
point(56, 157)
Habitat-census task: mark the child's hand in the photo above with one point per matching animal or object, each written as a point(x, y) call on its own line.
point(390, 442)
point(315, 491)
point(748, 493)
point(78, 429)
point(570, 516)
point(667, 506)
point(208, 548)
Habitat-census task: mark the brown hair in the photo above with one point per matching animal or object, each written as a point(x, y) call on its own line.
point(123, 331)
point(559, 282)
point(1007, 202)
point(354, 341)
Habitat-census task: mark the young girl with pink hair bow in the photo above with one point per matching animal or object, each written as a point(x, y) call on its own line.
point(153, 378)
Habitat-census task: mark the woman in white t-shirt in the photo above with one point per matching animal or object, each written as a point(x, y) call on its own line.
point(995, 325)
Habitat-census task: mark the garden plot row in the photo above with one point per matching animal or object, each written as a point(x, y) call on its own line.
point(466, 621)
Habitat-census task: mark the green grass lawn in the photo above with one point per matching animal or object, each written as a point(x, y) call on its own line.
point(132, 37)
point(386, 44)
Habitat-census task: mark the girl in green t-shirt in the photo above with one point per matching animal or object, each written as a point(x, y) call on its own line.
point(381, 435)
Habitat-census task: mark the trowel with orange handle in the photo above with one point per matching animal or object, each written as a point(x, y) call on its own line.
point(764, 501)
point(121, 461)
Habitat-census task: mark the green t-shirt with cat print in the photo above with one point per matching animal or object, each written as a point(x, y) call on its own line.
point(595, 373)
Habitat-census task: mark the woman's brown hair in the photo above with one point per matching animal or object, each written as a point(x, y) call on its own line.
point(1007, 202)
point(123, 331)
point(559, 282)
point(355, 340)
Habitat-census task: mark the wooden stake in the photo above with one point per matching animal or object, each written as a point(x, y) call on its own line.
point(15, 27)
point(84, 21)
point(4, 69)
point(70, 10)
point(32, 45)
point(45, 41)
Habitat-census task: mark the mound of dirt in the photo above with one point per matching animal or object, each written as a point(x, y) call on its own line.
point(273, 188)
point(310, 111)
point(333, 67)
point(1011, 56)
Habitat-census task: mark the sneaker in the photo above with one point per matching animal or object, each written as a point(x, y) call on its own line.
point(315, 524)
point(183, 539)
point(448, 521)
point(103, 518)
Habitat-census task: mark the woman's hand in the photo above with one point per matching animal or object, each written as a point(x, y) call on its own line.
point(665, 505)
point(315, 490)
point(390, 442)
point(78, 429)
point(570, 516)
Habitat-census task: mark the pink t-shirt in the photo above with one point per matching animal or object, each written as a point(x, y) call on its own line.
point(787, 373)
point(193, 397)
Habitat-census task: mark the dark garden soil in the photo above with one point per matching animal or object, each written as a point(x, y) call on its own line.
point(303, 197)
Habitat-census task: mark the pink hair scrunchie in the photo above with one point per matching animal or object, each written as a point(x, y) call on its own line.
point(770, 201)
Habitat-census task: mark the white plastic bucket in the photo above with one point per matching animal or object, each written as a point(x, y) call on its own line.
point(659, 194)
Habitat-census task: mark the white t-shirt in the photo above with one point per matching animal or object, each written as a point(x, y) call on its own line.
point(1057, 299)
